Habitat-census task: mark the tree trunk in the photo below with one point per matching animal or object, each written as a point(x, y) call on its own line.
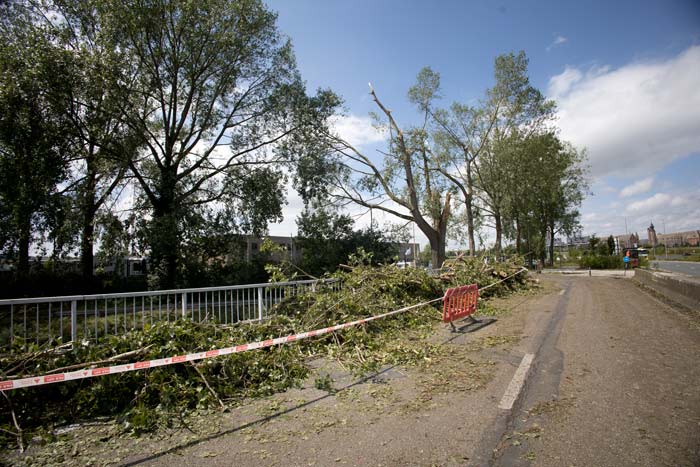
point(437, 250)
point(518, 236)
point(469, 201)
point(164, 232)
point(86, 248)
point(543, 245)
point(23, 247)
point(88, 228)
point(551, 245)
point(436, 233)
point(164, 243)
point(499, 232)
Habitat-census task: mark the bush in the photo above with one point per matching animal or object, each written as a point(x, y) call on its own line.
point(601, 262)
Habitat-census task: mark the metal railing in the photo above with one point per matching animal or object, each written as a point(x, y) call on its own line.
point(57, 320)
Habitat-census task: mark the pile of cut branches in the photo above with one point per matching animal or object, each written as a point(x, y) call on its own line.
point(146, 399)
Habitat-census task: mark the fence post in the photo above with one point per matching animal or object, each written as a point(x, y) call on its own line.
point(260, 303)
point(184, 305)
point(74, 321)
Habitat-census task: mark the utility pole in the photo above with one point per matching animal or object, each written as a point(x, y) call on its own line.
point(653, 243)
point(665, 239)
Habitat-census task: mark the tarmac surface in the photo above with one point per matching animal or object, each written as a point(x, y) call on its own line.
point(615, 383)
point(690, 268)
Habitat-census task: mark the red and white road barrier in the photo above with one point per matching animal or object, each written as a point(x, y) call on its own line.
point(9, 384)
point(459, 302)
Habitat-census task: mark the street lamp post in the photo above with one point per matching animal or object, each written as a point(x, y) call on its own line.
point(665, 240)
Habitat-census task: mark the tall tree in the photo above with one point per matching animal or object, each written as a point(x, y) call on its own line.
point(611, 245)
point(556, 181)
point(102, 143)
point(32, 127)
point(460, 134)
point(407, 180)
point(217, 90)
point(514, 110)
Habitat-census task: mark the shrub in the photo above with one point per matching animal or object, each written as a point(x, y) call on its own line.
point(601, 262)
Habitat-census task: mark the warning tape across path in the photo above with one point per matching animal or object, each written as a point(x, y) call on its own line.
point(7, 385)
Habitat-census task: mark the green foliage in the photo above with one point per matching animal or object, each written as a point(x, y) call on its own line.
point(144, 399)
point(324, 383)
point(32, 143)
point(328, 238)
point(601, 262)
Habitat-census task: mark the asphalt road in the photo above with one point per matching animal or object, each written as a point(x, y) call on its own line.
point(684, 267)
point(614, 383)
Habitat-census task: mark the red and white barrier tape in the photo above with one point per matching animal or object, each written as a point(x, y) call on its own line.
point(6, 385)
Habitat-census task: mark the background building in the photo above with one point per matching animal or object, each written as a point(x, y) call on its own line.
point(651, 235)
point(688, 238)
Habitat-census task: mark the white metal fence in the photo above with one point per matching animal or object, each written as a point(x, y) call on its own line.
point(57, 320)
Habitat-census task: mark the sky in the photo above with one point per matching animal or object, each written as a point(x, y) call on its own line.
point(625, 76)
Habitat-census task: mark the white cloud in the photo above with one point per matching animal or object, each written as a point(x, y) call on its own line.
point(634, 119)
point(560, 84)
point(678, 201)
point(638, 187)
point(590, 216)
point(557, 41)
point(293, 208)
point(358, 131)
point(650, 204)
point(672, 211)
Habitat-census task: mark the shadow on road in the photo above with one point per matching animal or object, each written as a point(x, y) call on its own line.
point(461, 331)
point(188, 444)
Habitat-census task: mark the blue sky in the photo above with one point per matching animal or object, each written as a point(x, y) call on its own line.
point(626, 76)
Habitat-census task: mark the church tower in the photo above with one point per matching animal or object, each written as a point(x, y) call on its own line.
point(651, 235)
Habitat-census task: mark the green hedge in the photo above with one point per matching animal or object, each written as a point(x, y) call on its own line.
point(601, 262)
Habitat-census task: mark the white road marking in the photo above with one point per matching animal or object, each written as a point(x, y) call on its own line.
point(516, 384)
point(561, 292)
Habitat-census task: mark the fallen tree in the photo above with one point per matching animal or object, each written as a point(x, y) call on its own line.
point(144, 400)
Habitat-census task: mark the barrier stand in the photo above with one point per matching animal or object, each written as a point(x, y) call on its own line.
point(458, 303)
